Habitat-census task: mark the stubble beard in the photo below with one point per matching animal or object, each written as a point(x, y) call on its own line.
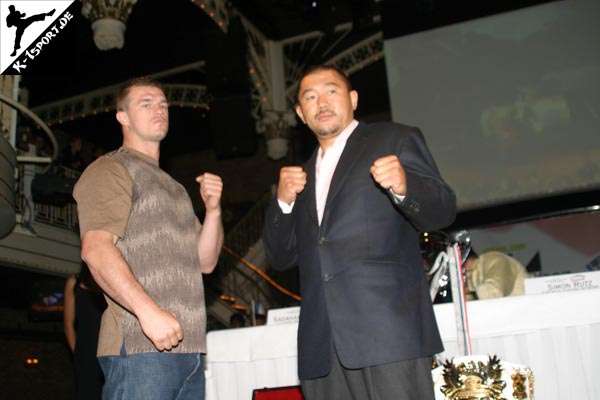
point(327, 132)
point(158, 134)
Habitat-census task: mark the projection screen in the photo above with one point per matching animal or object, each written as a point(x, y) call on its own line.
point(509, 103)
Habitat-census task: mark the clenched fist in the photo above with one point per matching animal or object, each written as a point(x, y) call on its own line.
point(388, 172)
point(162, 328)
point(211, 188)
point(291, 182)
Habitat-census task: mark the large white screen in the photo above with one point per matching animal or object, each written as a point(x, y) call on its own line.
point(509, 104)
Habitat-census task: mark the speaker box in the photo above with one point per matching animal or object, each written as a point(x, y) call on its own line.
point(280, 393)
point(232, 126)
point(226, 64)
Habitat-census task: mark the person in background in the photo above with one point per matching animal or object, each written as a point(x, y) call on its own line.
point(71, 156)
point(349, 218)
point(493, 274)
point(41, 146)
point(237, 320)
point(260, 319)
point(84, 304)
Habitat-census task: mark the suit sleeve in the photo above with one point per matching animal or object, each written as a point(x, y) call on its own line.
point(430, 204)
point(279, 237)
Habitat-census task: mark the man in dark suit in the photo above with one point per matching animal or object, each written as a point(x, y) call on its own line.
point(349, 218)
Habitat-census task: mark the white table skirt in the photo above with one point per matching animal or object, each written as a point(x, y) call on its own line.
point(556, 335)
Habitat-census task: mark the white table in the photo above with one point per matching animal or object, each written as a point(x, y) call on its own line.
point(556, 335)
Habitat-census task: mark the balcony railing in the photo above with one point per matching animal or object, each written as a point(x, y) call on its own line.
point(60, 216)
point(248, 231)
point(235, 279)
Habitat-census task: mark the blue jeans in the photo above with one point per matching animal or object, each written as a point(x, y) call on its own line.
point(150, 376)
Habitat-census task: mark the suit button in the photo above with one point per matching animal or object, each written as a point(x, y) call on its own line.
point(322, 240)
point(327, 277)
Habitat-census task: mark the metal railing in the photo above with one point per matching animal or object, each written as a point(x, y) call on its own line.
point(249, 229)
point(59, 216)
point(240, 239)
point(236, 279)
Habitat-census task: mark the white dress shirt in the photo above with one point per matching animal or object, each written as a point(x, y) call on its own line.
point(324, 169)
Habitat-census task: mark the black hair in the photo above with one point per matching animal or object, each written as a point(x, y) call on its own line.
point(313, 69)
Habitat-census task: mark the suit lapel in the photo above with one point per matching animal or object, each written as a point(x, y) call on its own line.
point(311, 200)
point(354, 147)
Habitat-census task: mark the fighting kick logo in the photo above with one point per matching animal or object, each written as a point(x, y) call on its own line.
point(18, 20)
point(22, 22)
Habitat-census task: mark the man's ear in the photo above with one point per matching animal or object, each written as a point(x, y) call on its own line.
point(122, 117)
point(300, 113)
point(354, 99)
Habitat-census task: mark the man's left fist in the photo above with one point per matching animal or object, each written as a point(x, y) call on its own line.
point(211, 188)
point(388, 172)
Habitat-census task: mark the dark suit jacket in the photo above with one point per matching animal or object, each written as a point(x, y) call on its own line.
point(362, 281)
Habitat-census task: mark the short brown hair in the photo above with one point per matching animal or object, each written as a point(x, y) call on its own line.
point(313, 69)
point(123, 92)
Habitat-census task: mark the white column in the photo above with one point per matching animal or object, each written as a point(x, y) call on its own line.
point(276, 118)
point(276, 76)
point(13, 121)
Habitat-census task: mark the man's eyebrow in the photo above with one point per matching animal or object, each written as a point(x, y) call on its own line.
point(306, 91)
point(325, 84)
point(150, 98)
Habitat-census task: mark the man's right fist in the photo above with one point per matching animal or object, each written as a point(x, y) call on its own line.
point(291, 182)
point(162, 328)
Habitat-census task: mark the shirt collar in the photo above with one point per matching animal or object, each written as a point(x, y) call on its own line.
point(342, 138)
point(141, 155)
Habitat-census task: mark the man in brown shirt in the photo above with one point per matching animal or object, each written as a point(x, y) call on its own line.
point(147, 251)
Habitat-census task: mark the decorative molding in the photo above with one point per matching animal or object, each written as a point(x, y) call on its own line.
point(109, 21)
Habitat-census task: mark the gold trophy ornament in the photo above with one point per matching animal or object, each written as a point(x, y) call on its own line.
point(482, 378)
